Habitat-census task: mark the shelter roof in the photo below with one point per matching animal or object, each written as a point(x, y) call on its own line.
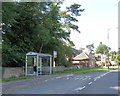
point(37, 54)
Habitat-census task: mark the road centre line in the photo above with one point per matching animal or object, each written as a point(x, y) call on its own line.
point(95, 79)
point(80, 88)
point(90, 83)
point(98, 77)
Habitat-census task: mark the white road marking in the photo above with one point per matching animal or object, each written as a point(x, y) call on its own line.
point(102, 75)
point(68, 78)
point(76, 78)
point(90, 83)
point(84, 79)
point(89, 78)
point(80, 88)
point(80, 78)
point(58, 77)
point(46, 80)
point(95, 79)
point(98, 77)
point(69, 75)
point(49, 79)
point(115, 87)
point(83, 87)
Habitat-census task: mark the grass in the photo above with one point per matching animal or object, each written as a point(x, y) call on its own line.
point(82, 70)
point(15, 78)
point(74, 70)
point(0, 80)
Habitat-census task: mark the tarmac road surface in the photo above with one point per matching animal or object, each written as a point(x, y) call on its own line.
point(90, 83)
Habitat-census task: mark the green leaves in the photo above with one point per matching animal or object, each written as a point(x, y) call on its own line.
point(117, 59)
point(103, 49)
point(90, 47)
point(37, 26)
point(75, 9)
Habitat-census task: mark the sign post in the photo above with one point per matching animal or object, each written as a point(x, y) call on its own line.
point(54, 56)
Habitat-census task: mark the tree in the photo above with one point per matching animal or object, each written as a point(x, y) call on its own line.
point(113, 54)
point(90, 47)
point(117, 59)
point(102, 49)
point(37, 26)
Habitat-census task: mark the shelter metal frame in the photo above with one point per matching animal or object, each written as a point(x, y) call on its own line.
point(39, 68)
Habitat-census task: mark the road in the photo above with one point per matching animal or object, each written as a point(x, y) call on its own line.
point(90, 83)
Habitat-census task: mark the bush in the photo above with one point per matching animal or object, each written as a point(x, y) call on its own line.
point(12, 56)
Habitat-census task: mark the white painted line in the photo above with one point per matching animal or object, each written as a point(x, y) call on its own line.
point(90, 83)
point(83, 87)
point(52, 78)
point(102, 75)
point(80, 78)
point(46, 80)
point(76, 78)
point(89, 78)
point(69, 75)
point(68, 78)
point(58, 77)
point(80, 88)
point(84, 78)
point(98, 77)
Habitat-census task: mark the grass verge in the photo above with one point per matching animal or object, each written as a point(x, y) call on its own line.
point(82, 70)
point(15, 78)
point(77, 71)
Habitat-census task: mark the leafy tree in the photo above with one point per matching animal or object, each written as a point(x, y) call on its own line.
point(90, 47)
point(102, 49)
point(39, 27)
point(113, 54)
point(117, 59)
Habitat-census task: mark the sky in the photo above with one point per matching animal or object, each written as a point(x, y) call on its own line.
point(94, 22)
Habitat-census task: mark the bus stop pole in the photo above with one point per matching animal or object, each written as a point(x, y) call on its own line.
point(50, 65)
point(40, 66)
point(37, 65)
point(26, 67)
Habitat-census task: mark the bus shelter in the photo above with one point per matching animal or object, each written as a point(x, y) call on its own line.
point(33, 64)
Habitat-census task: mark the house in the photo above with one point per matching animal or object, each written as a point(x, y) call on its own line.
point(101, 57)
point(84, 59)
point(75, 53)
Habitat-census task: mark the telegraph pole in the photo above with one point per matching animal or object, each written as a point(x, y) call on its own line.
point(108, 41)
